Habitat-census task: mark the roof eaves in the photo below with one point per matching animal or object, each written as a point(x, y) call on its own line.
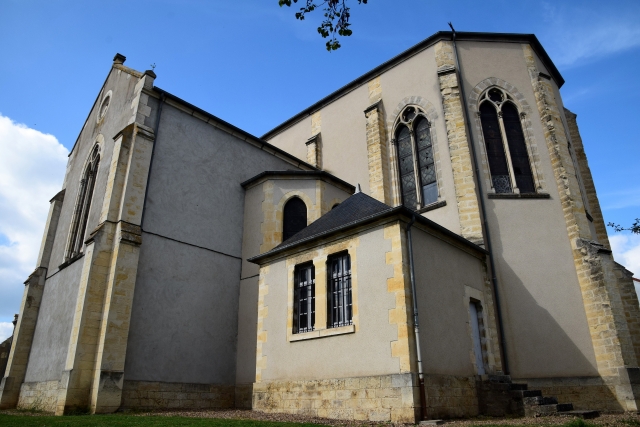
point(316, 173)
point(413, 50)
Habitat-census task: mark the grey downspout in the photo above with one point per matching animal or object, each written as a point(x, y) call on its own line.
point(416, 325)
point(485, 225)
point(153, 151)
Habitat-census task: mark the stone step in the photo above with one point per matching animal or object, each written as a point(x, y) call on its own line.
point(525, 393)
point(565, 407)
point(499, 378)
point(540, 400)
point(584, 414)
point(542, 410)
point(519, 386)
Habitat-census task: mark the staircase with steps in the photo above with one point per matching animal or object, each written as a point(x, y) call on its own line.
point(499, 397)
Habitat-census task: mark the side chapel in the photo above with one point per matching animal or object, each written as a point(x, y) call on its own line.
point(421, 243)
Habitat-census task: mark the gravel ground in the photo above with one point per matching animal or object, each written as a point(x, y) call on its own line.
point(608, 420)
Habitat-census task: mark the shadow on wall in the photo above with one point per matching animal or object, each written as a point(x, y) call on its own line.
point(540, 350)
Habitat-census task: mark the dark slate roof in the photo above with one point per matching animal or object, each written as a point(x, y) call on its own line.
point(352, 210)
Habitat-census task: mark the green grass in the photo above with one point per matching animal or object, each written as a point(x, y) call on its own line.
point(131, 420)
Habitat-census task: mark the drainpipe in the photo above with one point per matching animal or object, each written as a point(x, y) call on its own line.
point(485, 224)
point(416, 325)
point(153, 150)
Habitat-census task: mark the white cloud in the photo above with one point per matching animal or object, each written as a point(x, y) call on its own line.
point(6, 330)
point(32, 166)
point(626, 251)
point(578, 34)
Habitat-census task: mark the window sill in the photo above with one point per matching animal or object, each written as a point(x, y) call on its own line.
point(432, 206)
point(519, 196)
point(321, 333)
point(70, 261)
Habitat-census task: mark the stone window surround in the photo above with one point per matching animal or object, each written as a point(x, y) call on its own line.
point(321, 330)
point(427, 109)
point(69, 258)
point(525, 112)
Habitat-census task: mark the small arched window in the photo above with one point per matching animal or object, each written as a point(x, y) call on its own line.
point(294, 217)
point(505, 143)
point(83, 205)
point(415, 159)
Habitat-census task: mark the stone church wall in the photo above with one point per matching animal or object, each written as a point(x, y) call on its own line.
point(535, 271)
point(189, 272)
point(55, 319)
point(448, 277)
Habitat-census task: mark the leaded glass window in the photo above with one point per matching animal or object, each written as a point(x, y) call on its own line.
point(294, 217)
point(505, 143)
point(304, 299)
point(83, 205)
point(415, 159)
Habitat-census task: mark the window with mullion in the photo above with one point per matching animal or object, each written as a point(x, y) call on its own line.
point(416, 165)
point(83, 206)
point(304, 300)
point(506, 146)
point(339, 307)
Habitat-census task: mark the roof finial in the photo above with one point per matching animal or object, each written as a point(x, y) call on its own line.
point(358, 189)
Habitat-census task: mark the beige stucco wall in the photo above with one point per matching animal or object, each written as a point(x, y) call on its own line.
point(344, 144)
point(445, 338)
point(542, 303)
point(343, 129)
point(294, 138)
point(417, 77)
point(363, 353)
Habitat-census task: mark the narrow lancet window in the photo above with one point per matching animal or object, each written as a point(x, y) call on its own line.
point(506, 147)
point(83, 205)
point(416, 165)
point(294, 217)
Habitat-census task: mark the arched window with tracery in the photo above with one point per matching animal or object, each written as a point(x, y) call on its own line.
point(294, 217)
point(505, 143)
point(416, 166)
point(83, 205)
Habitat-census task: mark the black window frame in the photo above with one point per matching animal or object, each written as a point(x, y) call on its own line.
point(304, 298)
point(339, 290)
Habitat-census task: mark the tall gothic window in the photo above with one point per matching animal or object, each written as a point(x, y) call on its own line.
point(506, 147)
point(83, 205)
point(304, 299)
point(339, 304)
point(294, 217)
point(415, 159)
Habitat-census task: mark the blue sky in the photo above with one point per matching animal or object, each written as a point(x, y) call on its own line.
point(252, 64)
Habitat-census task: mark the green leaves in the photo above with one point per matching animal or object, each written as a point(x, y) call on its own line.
point(635, 227)
point(336, 18)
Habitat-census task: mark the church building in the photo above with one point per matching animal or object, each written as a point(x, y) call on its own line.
point(425, 242)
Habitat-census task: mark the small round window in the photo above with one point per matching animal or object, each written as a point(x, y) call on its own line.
point(104, 106)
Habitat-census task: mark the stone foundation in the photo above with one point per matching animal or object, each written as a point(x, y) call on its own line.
point(392, 398)
point(450, 396)
point(40, 396)
point(243, 396)
point(584, 392)
point(160, 395)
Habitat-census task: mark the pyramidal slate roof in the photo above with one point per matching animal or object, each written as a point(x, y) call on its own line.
point(352, 210)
